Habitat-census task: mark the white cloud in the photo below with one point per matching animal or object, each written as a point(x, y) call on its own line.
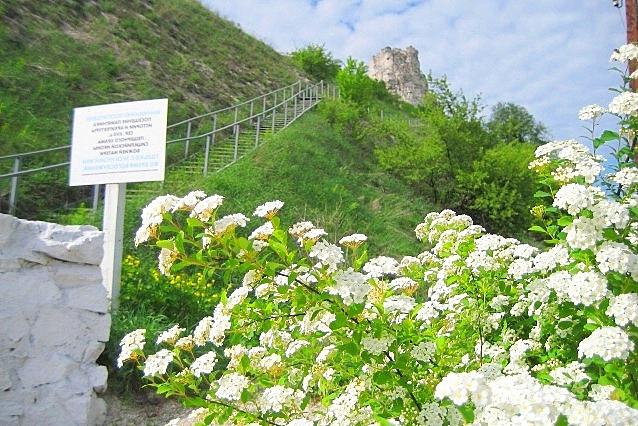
point(549, 56)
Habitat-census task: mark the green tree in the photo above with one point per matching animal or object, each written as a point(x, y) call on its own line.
point(499, 188)
point(513, 123)
point(317, 62)
point(355, 85)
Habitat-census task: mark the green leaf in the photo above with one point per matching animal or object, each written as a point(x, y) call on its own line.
point(179, 242)
point(351, 348)
point(279, 248)
point(382, 377)
point(561, 421)
point(542, 194)
point(467, 413)
point(590, 326)
point(166, 244)
point(339, 322)
point(608, 135)
point(178, 266)
point(276, 221)
point(193, 222)
point(538, 229)
point(597, 142)
point(565, 221)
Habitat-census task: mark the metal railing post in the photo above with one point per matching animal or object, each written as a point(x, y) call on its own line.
point(257, 128)
point(263, 107)
point(236, 113)
point(188, 139)
point(206, 152)
point(296, 95)
point(14, 187)
point(252, 107)
point(236, 141)
point(274, 112)
point(96, 197)
point(285, 112)
point(210, 140)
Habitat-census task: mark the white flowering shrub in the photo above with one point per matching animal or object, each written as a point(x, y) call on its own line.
point(478, 328)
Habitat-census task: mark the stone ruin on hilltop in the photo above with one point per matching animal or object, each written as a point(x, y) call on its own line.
point(401, 72)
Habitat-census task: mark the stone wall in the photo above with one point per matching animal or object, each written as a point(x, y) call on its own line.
point(401, 72)
point(53, 324)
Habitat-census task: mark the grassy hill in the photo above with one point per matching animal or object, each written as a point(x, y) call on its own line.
point(58, 55)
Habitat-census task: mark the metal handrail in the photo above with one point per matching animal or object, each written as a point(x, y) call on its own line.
point(314, 91)
point(208, 114)
point(41, 151)
point(24, 155)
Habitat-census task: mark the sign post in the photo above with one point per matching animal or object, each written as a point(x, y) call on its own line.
point(115, 144)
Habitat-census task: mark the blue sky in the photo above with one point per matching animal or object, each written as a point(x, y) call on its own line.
point(550, 56)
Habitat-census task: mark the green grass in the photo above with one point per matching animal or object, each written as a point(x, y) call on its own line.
point(321, 176)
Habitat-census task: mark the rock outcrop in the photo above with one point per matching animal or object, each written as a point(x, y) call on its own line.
point(54, 322)
point(401, 72)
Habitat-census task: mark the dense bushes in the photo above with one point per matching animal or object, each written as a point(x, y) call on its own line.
point(317, 62)
point(453, 156)
point(355, 85)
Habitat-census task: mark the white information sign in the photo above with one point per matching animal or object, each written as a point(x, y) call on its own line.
point(117, 143)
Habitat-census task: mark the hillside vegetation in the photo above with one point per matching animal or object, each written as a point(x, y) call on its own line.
point(55, 56)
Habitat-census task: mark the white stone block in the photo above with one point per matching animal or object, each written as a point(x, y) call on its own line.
point(45, 369)
point(53, 324)
point(91, 298)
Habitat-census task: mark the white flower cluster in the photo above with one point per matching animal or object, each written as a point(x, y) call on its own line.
point(574, 197)
point(205, 208)
point(345, 410)
point(306, 231)
point(626, 103)
point(574, 372)
point(229, 223)
point(132, 342)
point(617, 257)
point(591, 112)
point(328, 255)
point(377, 346)
point(350, 285)
point(204, 364)
point(625, 53)
point(274, 398)
point(269, 209)
point(575, 161)
point(152, 216)
point(521, 399)
point(625, 177)
point(165, 260)
point(263, 232)
point(398, 307)
point(189, 201)
point(230, 386)
point(171, 335)
point(424, 351)
point(158, 363)
point(608, 343)
point(380, 266)
point(354, 240)
point(624, 309)
point(582, 288)
point(212, 329)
